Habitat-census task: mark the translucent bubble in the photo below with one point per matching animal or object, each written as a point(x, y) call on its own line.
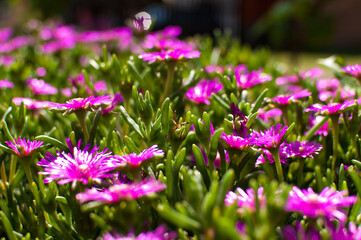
point(142, 21)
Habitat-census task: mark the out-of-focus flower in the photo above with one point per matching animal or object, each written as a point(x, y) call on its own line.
point(24, 147)
point(270, 138)
point(246, 200)
point(41, 72)
point(5, 34)
point(328, 203)
point(116, 100)
point(331, 108)
point(266, 156)
point(6, 60)
point(170, 55)
point(299, 233)
point(86, 104)
point(213, 69)
point(330, 88)
point(134, 160)
point(311, 73)
point(237, 141)
point(267, 115)
point(302, 149)
point(40, 87)
point(160, 233)
point(6, 84)
point(354, 70)
point(77, 166)
point(283, 100)
point(32, 103)
point(246, 80)
point(314, 120)
point(122, 191)
point(203, 91)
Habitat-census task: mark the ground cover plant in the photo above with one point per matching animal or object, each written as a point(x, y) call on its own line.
point(133, 134)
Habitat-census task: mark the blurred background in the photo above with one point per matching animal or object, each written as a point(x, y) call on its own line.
point(283, 25)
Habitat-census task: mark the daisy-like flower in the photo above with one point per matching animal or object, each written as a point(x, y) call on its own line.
point(133, 160)
point(331, 108)
point(237, 141)
point(40, 87)
point(246, 80)
point(302, 149)
point(270, 138)
point(89, 103)
point(32, 103)
point(78, 165)
point(24, 147)
point(6, 84)
point(328, 203)
point(283, 100)
point(160, 233)
point(170, 55)
point(246, 199)
point(354, 70)
point(122, 191)
point(203, 91)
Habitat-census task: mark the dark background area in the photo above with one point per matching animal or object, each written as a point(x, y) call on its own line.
point(296, 25)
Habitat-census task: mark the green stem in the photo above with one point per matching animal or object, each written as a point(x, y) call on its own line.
point(60, 225)
point(276, 156)
point(28, 172)
point(354, 143)
point(300, 173)
point(169, 81)
point(81, 114)
point(286, 119)
point(335, 130)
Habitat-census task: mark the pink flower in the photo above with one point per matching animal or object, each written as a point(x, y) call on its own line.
point(134, 160)
point(246, 80)
point(314, 120)
point(5, 34)
point(40, 71)
point(283, 100)
point(160, 233)
point(40, 87)
point(246, 199)
point(203, 91)
point(237, 141)
point(116, 100)
point(170, 55)
point(302, 149)
point(24, 147)
point(331, 108)
point(122, 191)
point(213, 69)
point(270, 138)
point(354, 70)
point(6, 84)
point(327, 203)
point(89, 103)
point(78, 165)
point(6, 60)
point(311, 73)
point(267, 115)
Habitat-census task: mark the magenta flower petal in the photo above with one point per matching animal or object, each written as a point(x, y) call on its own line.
point(331, 108)
point(78, 165)
point(246, 80)
point(24, 147)
point(302, 149)
point(354, 70)
point(40, 87)
point(270, 138)
point(328, 203)
point(246, 199)
point(134, 160)
point(83, 103)
point(287, 99)
point(122, 191)
point(6, 84)
point(203, 91)
point(237, 141)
